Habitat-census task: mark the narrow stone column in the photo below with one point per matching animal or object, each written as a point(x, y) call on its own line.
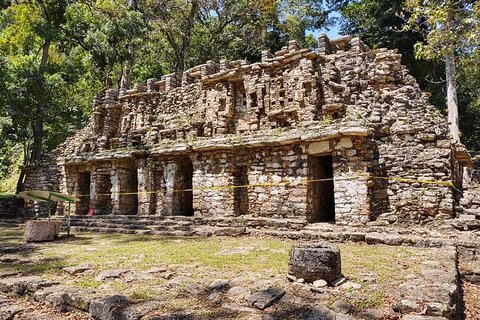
point(115, 190)
point(145, 186)
point(124, 188)
point(170, 173)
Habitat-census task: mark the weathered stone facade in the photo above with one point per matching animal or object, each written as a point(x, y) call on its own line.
point(339, 134)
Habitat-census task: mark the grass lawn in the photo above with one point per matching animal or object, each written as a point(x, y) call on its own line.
point(246, 260)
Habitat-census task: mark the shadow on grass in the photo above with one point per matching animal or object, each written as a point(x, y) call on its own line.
point(203, 315)
point(146, 238)
point(294, 312)
point(18, 256)
point(34, 268)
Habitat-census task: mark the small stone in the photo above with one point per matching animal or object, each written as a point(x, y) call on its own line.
point(416, 317)
point(238, 293)
point(77, 269)
point(406, 306)
point(237, 308)
point(110, 274)
point(194, 289)
point(351, 285)
point(168, 275)
point(341, 306)
point(215, 297)
point(178, 281)
point(138, 310)
point(263, 284)
point(108, 308)
point(341, 316)
point(156, 270)
point(437, 309)
point(8, 312)
point(320, 312)
point(370, 314)
point(291, 278)
point(218, 284)
point(319, 283)
point(265, 298)
point(338, 281)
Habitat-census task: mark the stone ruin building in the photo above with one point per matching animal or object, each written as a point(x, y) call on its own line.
point(340, 134)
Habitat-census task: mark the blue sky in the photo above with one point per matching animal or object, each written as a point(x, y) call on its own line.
point(334, 29)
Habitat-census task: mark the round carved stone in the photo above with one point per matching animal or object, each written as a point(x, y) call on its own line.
point(41, 230)
point(315, 261)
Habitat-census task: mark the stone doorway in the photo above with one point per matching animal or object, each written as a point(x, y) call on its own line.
point(103, 201)
point(182, 193)
point(320, 194)
point(128, 200)
point(240, 195)
point(83, 193)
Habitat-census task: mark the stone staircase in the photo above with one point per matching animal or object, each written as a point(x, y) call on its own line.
point(468, 211)
point(178, 225)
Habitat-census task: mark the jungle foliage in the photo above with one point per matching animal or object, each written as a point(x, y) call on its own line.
point(56, 55)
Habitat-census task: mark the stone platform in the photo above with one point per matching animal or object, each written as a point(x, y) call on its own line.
point(446, 234)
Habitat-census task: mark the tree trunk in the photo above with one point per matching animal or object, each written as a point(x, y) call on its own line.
point(20, 181)
point(452, 101)
point(37, 121)
point(37, 130)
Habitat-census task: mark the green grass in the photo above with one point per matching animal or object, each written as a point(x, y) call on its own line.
point(387, 262)
point(145, 252)
point(205, 259)
point(7, 195)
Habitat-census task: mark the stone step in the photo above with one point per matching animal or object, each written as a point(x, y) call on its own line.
point(475, 212)
point(101, 224)
point(466, 224)
point(203, 232)
point(250, 222)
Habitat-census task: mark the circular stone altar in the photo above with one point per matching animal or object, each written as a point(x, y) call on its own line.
point(315, 261)
point(41, 230)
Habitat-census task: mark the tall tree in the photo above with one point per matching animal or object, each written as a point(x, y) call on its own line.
point(449, 28)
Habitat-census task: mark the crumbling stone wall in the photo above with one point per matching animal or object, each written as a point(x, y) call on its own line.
point(11, 207)
point(188, 144)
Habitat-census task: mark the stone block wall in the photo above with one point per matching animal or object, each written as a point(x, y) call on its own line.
point(46, 175)
point(11, 207)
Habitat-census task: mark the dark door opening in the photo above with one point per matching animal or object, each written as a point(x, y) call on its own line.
point(83, 193)
point(240, 194)
point(183, 194)
point(321, 201)
point(129, 200)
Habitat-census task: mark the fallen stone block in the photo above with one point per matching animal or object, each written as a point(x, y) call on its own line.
point(110, 274)
point(265, 298)
point(238, 293)
point(41, 230)
point(77, 269)
point(138, 310)
point(108, 308)
point(218, 284)
point(8, 312)
point(320, 312)
point(18, 286)
point(315, 261)
point(342, 306)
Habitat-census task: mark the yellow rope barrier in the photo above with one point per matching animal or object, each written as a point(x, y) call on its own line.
point(285, 183)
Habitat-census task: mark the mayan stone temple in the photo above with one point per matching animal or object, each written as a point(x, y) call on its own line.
point(341, 134)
